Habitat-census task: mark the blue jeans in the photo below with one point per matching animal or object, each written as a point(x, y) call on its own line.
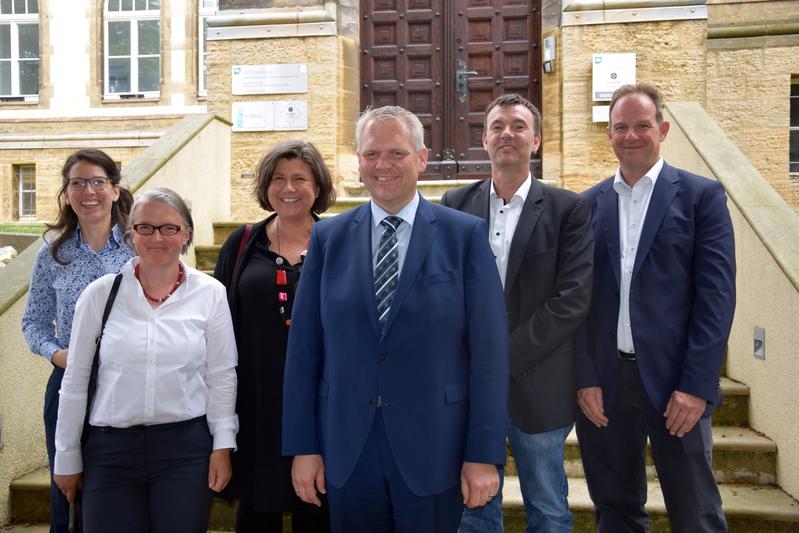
point(539, 462)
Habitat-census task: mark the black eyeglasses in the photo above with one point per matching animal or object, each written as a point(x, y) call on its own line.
point(163, 229)
point(97, 182)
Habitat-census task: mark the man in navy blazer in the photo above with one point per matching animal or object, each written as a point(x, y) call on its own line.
point(651, 350)
point(394, 405)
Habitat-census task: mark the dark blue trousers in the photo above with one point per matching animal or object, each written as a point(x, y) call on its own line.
point(151, 479)
point(614, 461)
point(59, 506)
point(376, 499)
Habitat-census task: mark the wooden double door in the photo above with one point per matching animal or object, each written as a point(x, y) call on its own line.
point(446, 60)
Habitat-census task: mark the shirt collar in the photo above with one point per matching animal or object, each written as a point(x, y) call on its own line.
point(521, 192)
point(116, 236)
point(652, 174)
point(407, 213)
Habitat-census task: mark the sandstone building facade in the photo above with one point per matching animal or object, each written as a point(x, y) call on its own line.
point(116, 74)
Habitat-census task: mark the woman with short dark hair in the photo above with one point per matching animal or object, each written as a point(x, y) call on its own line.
point(260, 265)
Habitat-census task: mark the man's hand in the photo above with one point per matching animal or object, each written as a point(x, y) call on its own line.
point(479, 483)
point(683, 412)
point(59, 358)
point(219, 470)
point(69, 484)
point(591, 404)
point(308, 477)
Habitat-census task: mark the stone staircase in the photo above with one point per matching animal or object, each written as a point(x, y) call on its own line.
point(744, 461)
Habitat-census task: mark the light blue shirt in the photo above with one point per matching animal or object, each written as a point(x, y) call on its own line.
point(55, 288)
point(408, 215)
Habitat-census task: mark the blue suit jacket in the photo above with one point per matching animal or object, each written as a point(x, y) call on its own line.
point(440, 369)
point(682, 292)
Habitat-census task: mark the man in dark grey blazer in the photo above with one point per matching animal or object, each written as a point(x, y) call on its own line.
point(543, 245)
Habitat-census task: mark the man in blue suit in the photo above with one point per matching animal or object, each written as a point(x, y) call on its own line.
point(651, 350)
point(397, 368)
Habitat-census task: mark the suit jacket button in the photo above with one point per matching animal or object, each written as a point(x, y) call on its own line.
point(381, 358)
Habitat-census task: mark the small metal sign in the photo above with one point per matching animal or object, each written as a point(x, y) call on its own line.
point(269, 79)
point(611, 71)
point(271, 115)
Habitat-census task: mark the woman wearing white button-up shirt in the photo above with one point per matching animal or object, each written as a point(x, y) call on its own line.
point(162, 422)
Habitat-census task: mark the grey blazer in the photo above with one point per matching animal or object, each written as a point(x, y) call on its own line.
point(547, 294)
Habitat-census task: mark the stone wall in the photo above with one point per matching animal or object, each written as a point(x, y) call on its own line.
point(751, 55)
point(767, 284)
point(330, 87)
point(50, 149)
point(669, 54)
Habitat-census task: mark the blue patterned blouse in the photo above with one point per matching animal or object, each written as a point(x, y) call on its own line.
point(55, 288)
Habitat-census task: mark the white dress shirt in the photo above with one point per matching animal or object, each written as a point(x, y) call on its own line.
point(169, 364)
point(503, 219)
point(408, 215)
point(633, 205)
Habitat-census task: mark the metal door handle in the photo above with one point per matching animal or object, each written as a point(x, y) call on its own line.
point(460, 79)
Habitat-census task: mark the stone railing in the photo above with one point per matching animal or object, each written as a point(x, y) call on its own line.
point(193, 158)
point(767, 255)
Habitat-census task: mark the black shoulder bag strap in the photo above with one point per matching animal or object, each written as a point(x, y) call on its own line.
point(96, 362)
point(75, 524)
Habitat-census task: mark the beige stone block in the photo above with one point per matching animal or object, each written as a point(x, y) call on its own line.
point(731, 115)
point(734, 62)
point(751, 13)
point(577, 66)
point(693, 34)
point(783, 59)
point(672, 64)
point(571, 39)
point(726, 88)
point(649, 36)
point(776, 87)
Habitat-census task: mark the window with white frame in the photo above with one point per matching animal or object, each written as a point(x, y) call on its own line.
point(793, 165)
point(25, 191)
point(132, 48)
point(19, 50)
point(207, 8)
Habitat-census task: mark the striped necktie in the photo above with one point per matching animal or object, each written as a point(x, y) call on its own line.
point(387, 268)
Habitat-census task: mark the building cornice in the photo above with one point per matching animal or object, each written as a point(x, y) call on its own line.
point(273, 23)
point(584, 12)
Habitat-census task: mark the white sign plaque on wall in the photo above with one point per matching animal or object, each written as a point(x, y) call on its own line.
point(611, 71)
point(272, 115)
point(253, 116)
point(291, 115)
point(269, 79)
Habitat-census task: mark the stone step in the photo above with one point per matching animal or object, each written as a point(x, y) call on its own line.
point(734, 408)
point(740, 455)
point(30, 504)
point(749, 508)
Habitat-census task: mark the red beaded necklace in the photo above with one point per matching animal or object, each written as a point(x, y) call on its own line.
point(161, 300)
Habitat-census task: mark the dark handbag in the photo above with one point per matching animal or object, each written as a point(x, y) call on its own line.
point(76, 507)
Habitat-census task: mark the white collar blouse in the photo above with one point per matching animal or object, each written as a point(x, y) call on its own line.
point(169, 364)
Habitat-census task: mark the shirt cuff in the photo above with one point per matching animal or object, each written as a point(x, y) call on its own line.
point(225, 439)
point(68, 462)
point(49, 349)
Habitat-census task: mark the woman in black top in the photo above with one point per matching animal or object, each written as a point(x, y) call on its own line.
point(260, 265)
